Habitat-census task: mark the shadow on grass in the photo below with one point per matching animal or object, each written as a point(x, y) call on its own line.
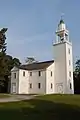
point(40, 110)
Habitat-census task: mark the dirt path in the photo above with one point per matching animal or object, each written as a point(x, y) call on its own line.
point(16, 98)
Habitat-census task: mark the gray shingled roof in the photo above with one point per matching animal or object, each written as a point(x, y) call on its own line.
point(36, 66)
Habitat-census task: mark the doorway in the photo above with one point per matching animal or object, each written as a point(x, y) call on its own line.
point(60, 88)
point(13, 87)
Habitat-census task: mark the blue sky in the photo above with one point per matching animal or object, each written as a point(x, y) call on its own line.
point(32, 24)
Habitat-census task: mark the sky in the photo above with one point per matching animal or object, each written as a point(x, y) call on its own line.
point(32, 24)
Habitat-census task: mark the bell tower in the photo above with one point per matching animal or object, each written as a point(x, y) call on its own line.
point(62, 34)
point(63, 61)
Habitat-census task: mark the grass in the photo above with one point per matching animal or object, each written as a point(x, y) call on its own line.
point(4, 95)
point(55, 107)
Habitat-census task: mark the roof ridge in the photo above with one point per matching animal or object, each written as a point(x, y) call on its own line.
point(39, 62)
point(36, 66)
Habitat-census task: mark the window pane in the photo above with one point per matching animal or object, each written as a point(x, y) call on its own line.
point(69, 73)
point(70, 86)
point(30, 73)
point(30, 85)
point(51, 73)
point(69, 50)
point(39, 73)
point(51, 85)
point(69, 62)
point(23, 73)
point(39, 85)
point(14, 75)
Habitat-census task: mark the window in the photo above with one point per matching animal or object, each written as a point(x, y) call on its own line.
point(14, 75)
point(51, 73)
point(39, 73)
point(51, 85)
point(23, 73)
point(70, 86)
point(69, 62)
point(69, 50)
point(69, 73)
point(39, 85)
point(30, 85)
point(30, 73)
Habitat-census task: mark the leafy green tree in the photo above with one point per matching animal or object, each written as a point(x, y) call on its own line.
point(16, 62)
point(2, 51)
point(7, 62)
point(30, 60)
point(2, 56)
point(2, 40)
point(10, 62)
point(76, 76)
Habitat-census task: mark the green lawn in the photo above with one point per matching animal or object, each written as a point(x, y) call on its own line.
point(4, 95)
point(55, 107)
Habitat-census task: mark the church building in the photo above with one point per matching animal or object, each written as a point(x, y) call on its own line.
point(47, 77)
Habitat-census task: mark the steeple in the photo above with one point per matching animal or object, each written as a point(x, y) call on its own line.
point(62, 34)
point(63, 61)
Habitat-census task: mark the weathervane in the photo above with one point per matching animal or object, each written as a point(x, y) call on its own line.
point(62, 14)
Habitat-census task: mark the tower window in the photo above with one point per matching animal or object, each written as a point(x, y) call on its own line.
point(39, 85)
point(51, 85)
point(30, 85)
point(39, 73)
point(30, 73)
point(66, 37)
point(70, 86)
point(69, 62)
point(51, 73)
point(69, 50)
point(69, 73)
point(23, 73)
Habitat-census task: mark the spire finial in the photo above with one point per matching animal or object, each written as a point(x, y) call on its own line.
point(62, 14)
point(61, 20)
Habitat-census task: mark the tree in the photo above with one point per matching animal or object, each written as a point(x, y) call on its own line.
point(2, 56)
point(76, 76)
point(7, 62)
point(30, 60)
point(2, 51)
point(16, 62)
point(10, 62)
point(2, 40)
point(5, 70)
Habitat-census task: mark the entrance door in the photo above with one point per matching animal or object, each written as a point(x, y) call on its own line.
point(60, 88)
point(13, 87)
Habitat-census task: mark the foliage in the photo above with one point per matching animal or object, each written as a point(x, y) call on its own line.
point(76, 76)
point(2, 40)
point(30, 60)
point(16, 62)
point(10, 62)
point(2, 52)
point(7, 62)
